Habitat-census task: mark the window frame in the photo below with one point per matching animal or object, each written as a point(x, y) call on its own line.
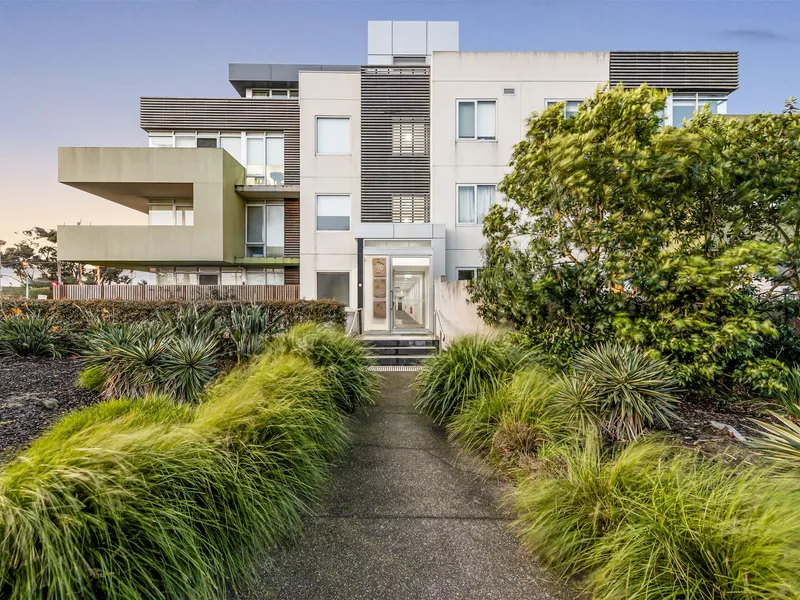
point(348, 118)
point(349, 213)
point(699, 100)
point(174, 204)
point(475, 102)
point(548, 102)
point(474, 272)
point(264, 245)
point(478, 222)
point(333, 272)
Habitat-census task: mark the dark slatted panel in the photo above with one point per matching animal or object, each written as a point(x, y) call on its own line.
point(291, 228)
point(395, 102)
point(230, 114)
point(681, 71)
point(291, 275)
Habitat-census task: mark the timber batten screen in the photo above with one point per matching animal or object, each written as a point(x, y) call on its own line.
point(230, 114)
point(395, 144)
point(679, 71)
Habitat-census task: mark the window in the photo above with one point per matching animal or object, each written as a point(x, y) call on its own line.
point(685, 105)
point(333, 135)
point(264, 162)
point(474, 202)
point(264, 229)
point(467, 274)
point(170, 213)
point(160, 140)
point(410, 138)
point(264, 276)
point(335, 286)
point(232, 144)
point(206, 142)
point(409, 60)
point(333, 213)
point(231, 277)
point(280, 93)
point(570, 106)
point(476, 119)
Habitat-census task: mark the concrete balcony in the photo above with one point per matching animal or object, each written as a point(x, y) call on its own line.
point(205, 177)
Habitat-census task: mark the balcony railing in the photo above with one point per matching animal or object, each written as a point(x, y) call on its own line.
point(257, 293)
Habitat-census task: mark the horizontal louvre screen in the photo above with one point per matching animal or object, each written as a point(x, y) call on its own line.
point(230, 114)
point(395, 144)
point(689, 71)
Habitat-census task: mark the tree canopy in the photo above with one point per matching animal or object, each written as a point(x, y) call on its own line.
point(680, 239)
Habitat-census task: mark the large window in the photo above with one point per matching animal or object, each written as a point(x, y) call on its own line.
point(183, 139)
point(474, 202)
point(264, 227)
point(335, 286)
point(264, 276)
point(333, 213)
point(570, 106)
point(333, 135)
point(277, 93)
point(476, 119)
point(174, 213)
point(467, 273)
point(264, 162)
point(410, 138)
point(684, 106)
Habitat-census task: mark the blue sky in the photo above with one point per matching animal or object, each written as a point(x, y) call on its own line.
point(71, 73)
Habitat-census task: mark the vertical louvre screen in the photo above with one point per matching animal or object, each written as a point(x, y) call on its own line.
point(395, 144)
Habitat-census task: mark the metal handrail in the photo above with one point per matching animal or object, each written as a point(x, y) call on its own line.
point(441, 335)
point(355, 318)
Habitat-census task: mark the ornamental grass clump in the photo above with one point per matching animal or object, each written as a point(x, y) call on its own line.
point(145, 498)
point(779, 441)
point(662, 522)
point(513, 419)
point(471, 366)
point(344, 359)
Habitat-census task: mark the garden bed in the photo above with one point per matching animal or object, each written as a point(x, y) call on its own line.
point(27, 388)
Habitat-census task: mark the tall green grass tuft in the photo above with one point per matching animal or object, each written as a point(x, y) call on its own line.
point(513, 419)
point(344, 359)
point(659, 522)
point(144, 498)
point(470, 367)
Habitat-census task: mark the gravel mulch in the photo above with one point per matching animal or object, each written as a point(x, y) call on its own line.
point(28, 389)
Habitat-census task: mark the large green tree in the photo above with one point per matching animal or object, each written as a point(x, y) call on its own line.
point(617, 226)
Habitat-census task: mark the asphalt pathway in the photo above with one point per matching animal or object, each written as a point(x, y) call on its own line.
point(405, 517)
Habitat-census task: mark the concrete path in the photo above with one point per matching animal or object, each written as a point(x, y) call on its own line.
point(404, 518)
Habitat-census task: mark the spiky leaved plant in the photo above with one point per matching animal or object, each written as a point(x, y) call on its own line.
point(189, 365)
point(27, 334)
point(634, 390)
point(789, 399)
point(251, 328)
point(779, 441)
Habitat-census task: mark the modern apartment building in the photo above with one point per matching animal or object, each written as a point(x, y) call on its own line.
point(364, 183)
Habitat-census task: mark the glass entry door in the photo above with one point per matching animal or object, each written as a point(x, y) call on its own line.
point(396, 293)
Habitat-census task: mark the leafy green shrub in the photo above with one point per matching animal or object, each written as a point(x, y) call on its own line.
point(251, 328)
point(145, 498)
point(91, 378)
point(779, 441)
point(31, 335)
point(471, 366)
point(512, 419)
point(634, 391)
point(658, 522)
point(344, 359)
point(81, 314)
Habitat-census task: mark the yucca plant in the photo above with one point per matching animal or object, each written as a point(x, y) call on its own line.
point(471, 366)
point(188, 366)
point(345, 359)
point(27, 334)
point(780, 441)
point(576, 403)
point(190, 322)
point(634, 390)
point(789, 399)
point(251, 328)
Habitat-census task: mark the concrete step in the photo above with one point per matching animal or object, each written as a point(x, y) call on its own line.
point(406, 350)
point(405, 360)
point(376, 342)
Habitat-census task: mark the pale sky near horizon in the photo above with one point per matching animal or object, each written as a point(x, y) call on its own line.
point(71, 73)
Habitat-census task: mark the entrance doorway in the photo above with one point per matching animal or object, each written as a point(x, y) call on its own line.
point(396, 293)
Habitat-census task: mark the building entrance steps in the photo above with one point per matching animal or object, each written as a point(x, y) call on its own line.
point(406, 349)
point(405, 518)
